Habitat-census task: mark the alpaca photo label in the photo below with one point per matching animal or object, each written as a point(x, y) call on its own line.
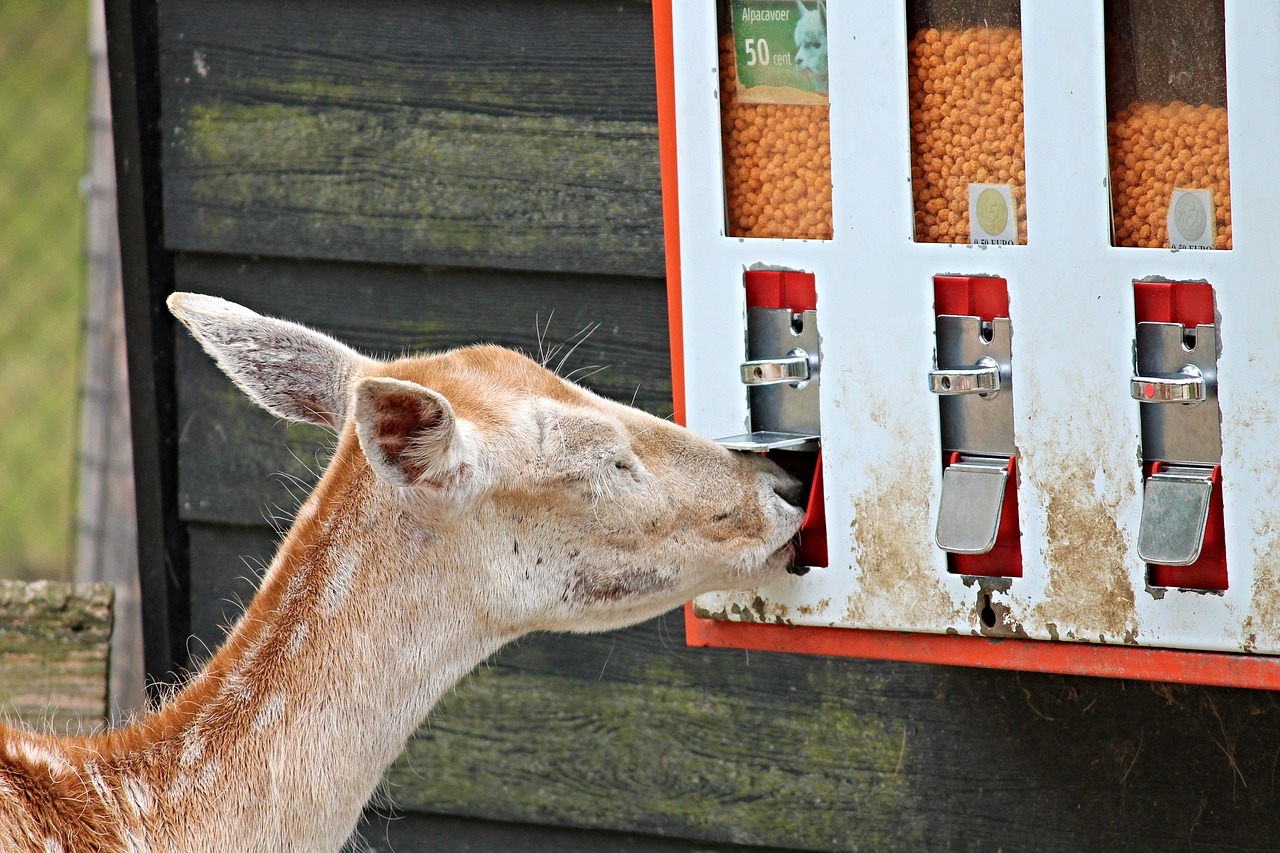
point(781, 51)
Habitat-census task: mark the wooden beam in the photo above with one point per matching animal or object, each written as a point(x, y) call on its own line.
point(55, 643)
point(476, 135)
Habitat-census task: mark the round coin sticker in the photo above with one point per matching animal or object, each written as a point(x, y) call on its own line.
point(993, 213)
point(1190, 217)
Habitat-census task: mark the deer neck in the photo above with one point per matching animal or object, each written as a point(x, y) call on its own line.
point(359, 627)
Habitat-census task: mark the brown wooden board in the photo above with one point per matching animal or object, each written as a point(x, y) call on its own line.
point(238, 464)
point(633, 730)
point(55, 649)
point(497, 134)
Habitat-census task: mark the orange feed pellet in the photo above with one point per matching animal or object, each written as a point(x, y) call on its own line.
point(966, 125)
point(777, 163)
point(1156, 148)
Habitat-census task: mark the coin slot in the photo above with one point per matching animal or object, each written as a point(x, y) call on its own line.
point(988, 613)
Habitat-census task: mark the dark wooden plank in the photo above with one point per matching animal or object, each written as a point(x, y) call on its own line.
point(237, 464)
point(633, 731)
point(227, 563)
point(414, 832)
point(147, 277)
point(500, 134)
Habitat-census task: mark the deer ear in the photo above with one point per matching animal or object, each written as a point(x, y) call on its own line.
point(291, 371)
point(408, 433)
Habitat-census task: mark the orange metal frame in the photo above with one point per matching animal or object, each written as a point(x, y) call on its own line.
point(1070, 658)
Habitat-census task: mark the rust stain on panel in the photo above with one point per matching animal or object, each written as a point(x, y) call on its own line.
point(893, 544)
point(1261, 629)
point(1089, 595)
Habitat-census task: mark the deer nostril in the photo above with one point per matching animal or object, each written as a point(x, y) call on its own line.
point(790, 490)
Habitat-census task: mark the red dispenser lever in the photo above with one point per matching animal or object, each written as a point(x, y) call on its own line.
point(978, 514)
point(788, 300)
point(1182, 533)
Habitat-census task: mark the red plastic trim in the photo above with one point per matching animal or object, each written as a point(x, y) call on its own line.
point(811, 549)
point(971, 296)
point(665, 72)
point(1004, 560)
point(1188, 303)
point(795, 291)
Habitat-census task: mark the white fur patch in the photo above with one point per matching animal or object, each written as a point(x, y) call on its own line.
point(293, 590)
point(53, 845)
point(98, 782)
point(270, 713)
point(238, 686)
point(297, 638)
point(207, 775)
point(192, 747)
point(34, 753)
point(138, 795)
point(339, 583)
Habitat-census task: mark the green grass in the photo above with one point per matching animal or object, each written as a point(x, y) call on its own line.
point(44, 70)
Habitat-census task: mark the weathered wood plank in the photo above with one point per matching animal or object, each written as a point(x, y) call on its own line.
point(632, 731)
point(227, 564)
point(237, 463)
point(421, 833)
point(55, 650)
point(498, 134)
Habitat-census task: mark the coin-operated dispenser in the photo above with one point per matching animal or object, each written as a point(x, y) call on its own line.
point(1020, 458)
point(973, 378)
point(1181, 536)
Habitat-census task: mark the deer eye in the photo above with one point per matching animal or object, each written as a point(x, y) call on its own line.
point(627, 466)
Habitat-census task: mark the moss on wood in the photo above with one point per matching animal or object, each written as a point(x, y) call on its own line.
point(417, 186)
point(54, 652)
point(657, 755)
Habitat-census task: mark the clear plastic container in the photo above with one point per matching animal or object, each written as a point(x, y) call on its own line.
point(1167, 124)
point(968, 152)
point(775, 118)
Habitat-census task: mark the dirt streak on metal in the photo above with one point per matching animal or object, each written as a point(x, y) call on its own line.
point(1261, 628)
point(1089, 595)
point(899, 585)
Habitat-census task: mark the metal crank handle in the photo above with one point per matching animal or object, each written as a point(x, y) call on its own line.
point(1186, 386)
point(982, 378)
point(793, 368)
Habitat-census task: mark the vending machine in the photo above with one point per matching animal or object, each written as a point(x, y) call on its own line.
point(993, 278)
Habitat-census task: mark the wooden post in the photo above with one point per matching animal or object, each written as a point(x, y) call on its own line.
point(106, 535)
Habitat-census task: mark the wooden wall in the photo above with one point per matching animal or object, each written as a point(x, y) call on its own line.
point(421, 175)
